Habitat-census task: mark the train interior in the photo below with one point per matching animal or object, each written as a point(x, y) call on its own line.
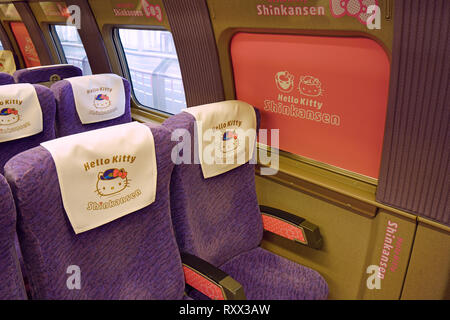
point(343, 197)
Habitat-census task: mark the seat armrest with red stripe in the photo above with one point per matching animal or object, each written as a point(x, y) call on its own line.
point(291, 227)
point(210, 280)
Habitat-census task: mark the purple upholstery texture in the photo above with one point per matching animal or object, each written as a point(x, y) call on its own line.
point(11, 281)
point(218, 220)
point(134, 257)
point(67, 119)
point(267, 276)
point(48, 106)
point(6, 78)
point(41, 75)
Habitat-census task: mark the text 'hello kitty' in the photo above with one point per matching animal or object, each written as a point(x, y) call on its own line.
point(115, 159)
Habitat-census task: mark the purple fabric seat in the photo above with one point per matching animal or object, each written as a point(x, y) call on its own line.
point(134, 257)
point(47, 74)
point(48, 106)
point(67, 119)
point(11, 280)
point(6, 78)
point(218, 220)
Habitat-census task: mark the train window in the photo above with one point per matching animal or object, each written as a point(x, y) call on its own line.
point(327, 95)
point(26, 45)
point(154, 69)
point(72, 47)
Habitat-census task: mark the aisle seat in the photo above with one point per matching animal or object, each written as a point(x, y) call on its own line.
point(134, 256)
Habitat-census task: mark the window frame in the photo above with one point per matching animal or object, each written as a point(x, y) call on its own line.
point(57, 41)
point(120, 51)
point(58, 44)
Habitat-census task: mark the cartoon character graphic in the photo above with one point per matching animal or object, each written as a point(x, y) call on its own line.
point(230, 141)
point(2, 67)
point(111, 181)
point(353, 8)
point(310, 86)
point(284, 81)
point(102, 101)
point(9, 116)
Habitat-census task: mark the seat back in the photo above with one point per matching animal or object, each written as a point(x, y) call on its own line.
point(134, 257)
point(11, 280)
point(215, 218)
point(47, 75)
point(48, 106)
point(67, 120)
point(6, 78)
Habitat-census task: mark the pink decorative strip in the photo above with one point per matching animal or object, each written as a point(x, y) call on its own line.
point(202, 284)
point(283, 228)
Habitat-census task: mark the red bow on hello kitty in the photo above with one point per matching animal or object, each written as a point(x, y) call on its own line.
point(120, 173)
point(354, 8)
point(12, 111)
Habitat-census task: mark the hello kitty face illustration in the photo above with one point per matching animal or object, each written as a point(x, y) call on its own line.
point(310, 86)
point(8, 116)
point(102, 101)
point(284, 81)
point(230, 141)
point(2, 67)
point(111, 181)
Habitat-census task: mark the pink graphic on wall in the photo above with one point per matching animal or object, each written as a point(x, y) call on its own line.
point(353, 8)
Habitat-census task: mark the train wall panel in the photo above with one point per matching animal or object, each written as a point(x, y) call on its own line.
point(414, 174)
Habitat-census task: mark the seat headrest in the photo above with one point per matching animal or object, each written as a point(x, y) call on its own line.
point(47, 75)
point(6, 78)
point(98, 97)
point(227, 135)
point(105, 174)
point(20, 112)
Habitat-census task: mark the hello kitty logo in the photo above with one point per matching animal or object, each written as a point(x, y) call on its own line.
point(111, 181)
point(284, 81)
point(230, 141)
point(9, 116)
point(54, 78)
point(310, 86)
point(2, 67)
point(353, 8)
point(101, 101)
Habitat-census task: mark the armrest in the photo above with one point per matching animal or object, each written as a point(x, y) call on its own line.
point(209, 280)
point(291, 227)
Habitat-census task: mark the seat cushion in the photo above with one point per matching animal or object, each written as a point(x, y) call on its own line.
point(267, 276)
